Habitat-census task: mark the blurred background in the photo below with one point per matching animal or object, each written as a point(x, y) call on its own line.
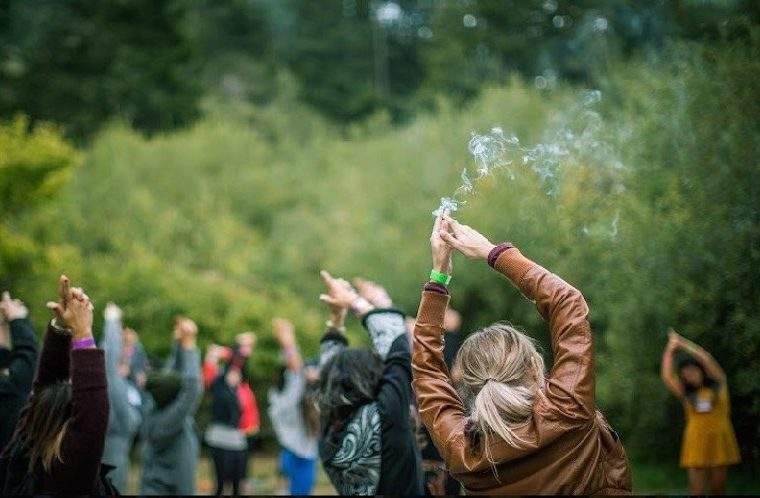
point(208, 157)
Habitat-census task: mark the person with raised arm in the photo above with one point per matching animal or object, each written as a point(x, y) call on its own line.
point(367, 444)
point(227, 434)
point(125, 415)
point(57, 446)
point(500, 423)
point(18, 358)
point(709, 444)
point(170, 451)
point(294, 412)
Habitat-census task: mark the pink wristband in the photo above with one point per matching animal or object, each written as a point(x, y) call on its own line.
point(87, 342)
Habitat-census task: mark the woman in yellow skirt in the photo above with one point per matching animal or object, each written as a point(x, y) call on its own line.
point(709, 443)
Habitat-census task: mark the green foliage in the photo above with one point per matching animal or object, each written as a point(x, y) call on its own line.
point(230, 220)
point(34, 164)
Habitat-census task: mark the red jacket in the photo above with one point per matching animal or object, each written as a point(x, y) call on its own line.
point(250, 420)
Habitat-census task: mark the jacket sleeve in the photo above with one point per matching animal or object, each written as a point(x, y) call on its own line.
point(54, 358)
point(23, 356)
point(117, 385)
point(384, 326)
point(169, 421)
point(332, 343)
point(84, 440)
point(387, 331)
point(570, 385)
point(440, 408)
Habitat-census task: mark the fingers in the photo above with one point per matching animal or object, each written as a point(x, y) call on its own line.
point(63, 288)
point(326, 298)
point(451, 240)
point(326, 277)
point(6, 296)
point(437, 222)
point(55, 308)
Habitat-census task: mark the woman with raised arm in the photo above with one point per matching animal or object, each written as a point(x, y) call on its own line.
point(125, 415)
point(170, 444)
point(367, 445)
point(226, 435)
point(709, 443)
point(294, 412)
point(501, 424)
point(58, 443)
point(18, 359)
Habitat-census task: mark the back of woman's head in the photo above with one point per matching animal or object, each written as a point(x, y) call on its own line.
point(42, 425)
point(163, 387)
point(348, 380)
point(498, 372)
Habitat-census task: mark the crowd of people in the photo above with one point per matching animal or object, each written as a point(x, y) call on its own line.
point(424, 410)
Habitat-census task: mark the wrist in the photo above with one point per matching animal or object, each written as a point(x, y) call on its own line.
point(81, 333)
point(361, 306)
point(486, 250)
point(440, 277)
point(83, 343)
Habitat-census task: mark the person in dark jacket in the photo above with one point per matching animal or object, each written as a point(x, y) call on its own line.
point(228, 443)
point(367, 444)
point(58, 442)
point(18, 357)
point(124, 399)
point(170, 451)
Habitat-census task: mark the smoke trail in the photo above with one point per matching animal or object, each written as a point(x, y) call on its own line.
point(577, 134)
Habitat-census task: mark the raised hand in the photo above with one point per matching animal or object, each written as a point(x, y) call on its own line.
point(186, 332)
point(441, 250)
point(340, 294)
point(284, 332)
point(465, 239)
point(246, 341)
point(64, 294)
point(374, 293)
point(73, 310)
point(12, 309)
point(112, 312)
point(674, 339)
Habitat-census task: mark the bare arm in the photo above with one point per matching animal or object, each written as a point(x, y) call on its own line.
point(285, 333)
point(667, 373)
point(705, 359)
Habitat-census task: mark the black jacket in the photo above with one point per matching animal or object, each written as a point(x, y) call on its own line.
point(15, 387)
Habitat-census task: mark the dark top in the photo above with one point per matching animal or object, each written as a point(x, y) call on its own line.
point(225, 407)
point(78, 472)
point(400, 470)
point(15, 387)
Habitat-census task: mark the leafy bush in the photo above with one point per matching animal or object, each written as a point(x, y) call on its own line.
point(229, 222)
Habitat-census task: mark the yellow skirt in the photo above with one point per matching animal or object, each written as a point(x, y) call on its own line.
point(709, 448)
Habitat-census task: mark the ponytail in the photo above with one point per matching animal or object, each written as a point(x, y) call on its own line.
point(501, 374)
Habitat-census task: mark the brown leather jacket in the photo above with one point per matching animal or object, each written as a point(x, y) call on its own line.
point(568, 446)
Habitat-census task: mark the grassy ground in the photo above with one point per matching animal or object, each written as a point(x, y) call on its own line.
point(668, 479)
point(648, 478)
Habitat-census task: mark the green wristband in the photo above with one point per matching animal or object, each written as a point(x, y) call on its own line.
point(439, 277)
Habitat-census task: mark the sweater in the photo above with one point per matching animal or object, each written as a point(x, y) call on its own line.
point(124, 419)
point(170, 451)
point(15, 386)
point(78, 471)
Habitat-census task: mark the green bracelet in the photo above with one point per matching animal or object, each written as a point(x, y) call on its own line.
point(439, 277)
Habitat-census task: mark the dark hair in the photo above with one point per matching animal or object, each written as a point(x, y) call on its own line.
point(348, 380)
point(163, 387)
point(42, 424)
point(707, 381)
